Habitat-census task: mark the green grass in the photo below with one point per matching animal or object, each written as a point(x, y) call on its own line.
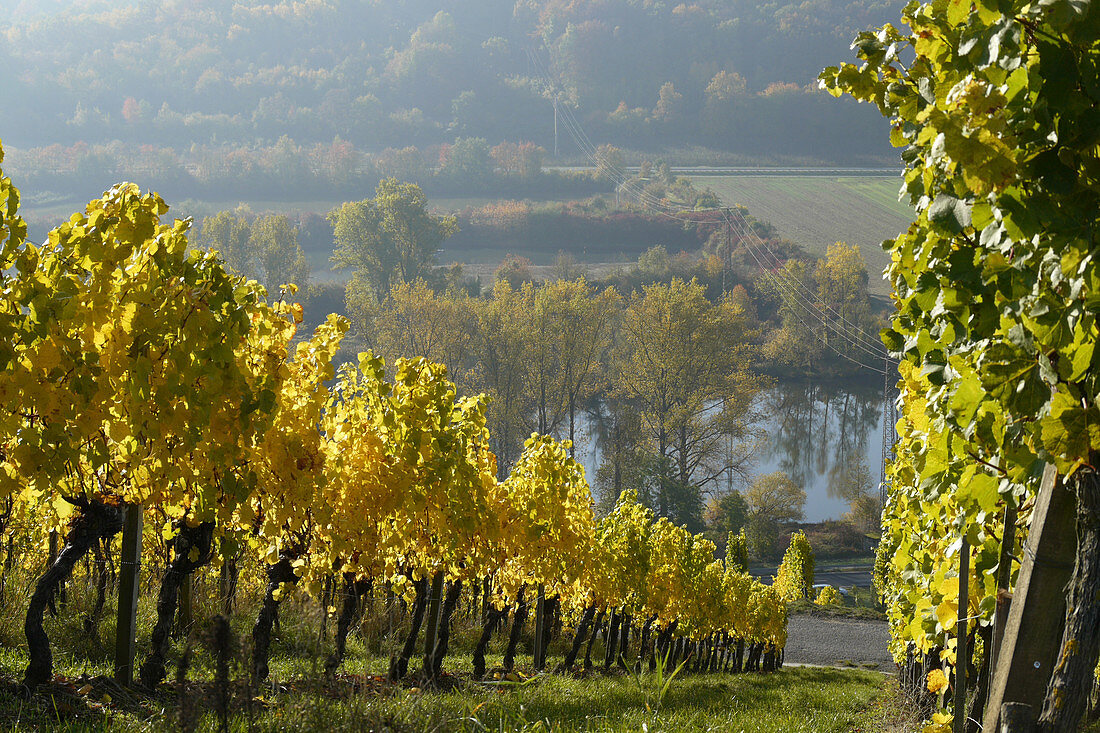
point(814, 700)
point(816, 211)
point(358, 699)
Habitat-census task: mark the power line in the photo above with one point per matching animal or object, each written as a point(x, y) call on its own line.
point(848, 332)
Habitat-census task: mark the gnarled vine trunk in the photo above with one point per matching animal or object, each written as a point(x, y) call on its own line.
point(199, 540)
point(661, 646)
point(578, 638)
point(91, 621)
point(494, 619)
point(612, 639)
point(643, 646)
point(550, 611)
point(624, 640)
point(277, 574)
point(92, 522)
point(450, 603)
point(517, 628)
point(349, 610)
point(592, 640)
point(399, 665)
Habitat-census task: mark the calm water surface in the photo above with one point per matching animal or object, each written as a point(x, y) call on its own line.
point(812, 433)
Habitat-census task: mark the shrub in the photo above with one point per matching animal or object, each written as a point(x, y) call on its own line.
point(828, 596)
point(795, 577)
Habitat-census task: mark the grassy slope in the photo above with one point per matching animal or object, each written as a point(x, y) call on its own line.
point(816, 211)
point(794, 699)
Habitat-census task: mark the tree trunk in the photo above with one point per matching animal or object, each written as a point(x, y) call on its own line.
point(517, 627)
point(277, 574)
point(93, 521)
point(550, 609)
point(494, 619)
point(354, 590)
point(431, 634)
point(592, 640)
point(578, 639)
point(454, 594)
point(201, 540)
point(624, 641)
point(612, 639)
point(227, 585)
point(1068, 691)
point(677, 651)
point(540, 625)
point(185, 619)
point(400, 665)
point(644, 645)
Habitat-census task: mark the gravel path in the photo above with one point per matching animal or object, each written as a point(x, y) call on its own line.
point(838, 641)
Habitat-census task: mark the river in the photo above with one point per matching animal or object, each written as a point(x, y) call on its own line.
point(810, 432)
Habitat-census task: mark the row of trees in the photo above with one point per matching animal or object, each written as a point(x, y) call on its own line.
point(285, 169)
point(665, 374)
point(142, 378)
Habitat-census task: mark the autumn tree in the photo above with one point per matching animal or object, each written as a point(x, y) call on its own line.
point(773, 500)
point(684, 363)
point(273, 241)
point(468, 160)
point(498, 351)
point(515, 270)
point(523, 160)
point(668, 103)
point(416, 321)
point(821, 309)
point(610, 163)
point(582, 319)
point(227, 233)
point(841, 280)
point(389, 238)
point(852, 481)
point(726, 514)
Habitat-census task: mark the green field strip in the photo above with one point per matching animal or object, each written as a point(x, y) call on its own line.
point(816, 211)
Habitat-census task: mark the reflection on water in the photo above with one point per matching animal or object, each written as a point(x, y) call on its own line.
point(817, 432)
point(814, 434)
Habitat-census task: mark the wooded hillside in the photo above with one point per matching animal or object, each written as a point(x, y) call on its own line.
point(730, 76)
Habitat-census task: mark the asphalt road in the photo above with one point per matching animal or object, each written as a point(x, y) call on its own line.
point(844, 578)
point(840, 577)
point(841, 642)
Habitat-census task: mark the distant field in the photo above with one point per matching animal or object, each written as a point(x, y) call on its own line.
point(816, 211)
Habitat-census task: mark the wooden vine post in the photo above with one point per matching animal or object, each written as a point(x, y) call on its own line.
point(1004, 577)
point(431, 634)
point(1033, 633)
point(540, 622)
point(962, 653)
point(128, 588)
